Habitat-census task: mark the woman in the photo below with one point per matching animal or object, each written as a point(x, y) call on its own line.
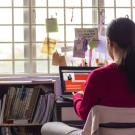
point(112, 85)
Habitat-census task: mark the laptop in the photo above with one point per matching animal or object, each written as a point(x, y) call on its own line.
point(73, 79)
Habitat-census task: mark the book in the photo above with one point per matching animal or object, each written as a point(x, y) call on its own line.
point(38, 110)
point(9, 101)
point(33, 102)
point(49, 108)
point(3, 108)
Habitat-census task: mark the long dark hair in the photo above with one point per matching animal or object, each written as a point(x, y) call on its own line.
point(122, 31)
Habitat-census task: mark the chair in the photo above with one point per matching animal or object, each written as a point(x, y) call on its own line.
point(103, 120)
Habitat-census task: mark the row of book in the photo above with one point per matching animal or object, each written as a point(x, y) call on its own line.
point(27, 104)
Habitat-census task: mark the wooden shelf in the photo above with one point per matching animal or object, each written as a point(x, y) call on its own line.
point(19, 125)
point(22, 103)
point(28, 82)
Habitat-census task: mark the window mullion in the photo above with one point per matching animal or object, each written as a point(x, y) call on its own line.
point(13, 52)
point(114, 8)
point(131, 9)
point(33, 36)
point(64, 8)
point(48, 59)
point(27, 37)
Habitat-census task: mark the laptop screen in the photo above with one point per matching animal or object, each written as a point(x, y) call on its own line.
point(73, 78)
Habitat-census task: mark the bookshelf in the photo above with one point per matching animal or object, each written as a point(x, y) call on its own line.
point(25, 105)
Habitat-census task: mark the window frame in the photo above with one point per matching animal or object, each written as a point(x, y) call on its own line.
point(30, 67)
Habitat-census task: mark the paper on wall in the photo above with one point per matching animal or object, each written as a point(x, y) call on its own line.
point(48, 46)
point(58, 59)
point(62, 61)
point(51, 25)
point(86, 33)
point(78, 49)
point(67, 49)
point(55, 58)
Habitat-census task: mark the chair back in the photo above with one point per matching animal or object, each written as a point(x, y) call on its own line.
point(103, 120)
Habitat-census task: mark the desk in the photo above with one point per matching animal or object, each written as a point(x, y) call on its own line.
point(65, 113)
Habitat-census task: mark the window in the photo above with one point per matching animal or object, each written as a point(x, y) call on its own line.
point(22, 30)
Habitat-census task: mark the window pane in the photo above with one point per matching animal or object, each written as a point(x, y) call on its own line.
point(21, 34)
point(87, 3)
point(70, 31)
point(53, 69)
point(109, 15)
point(73, 3)
point(57, 3)
point(133, 1)
point(5, 51)
point(109, 3)
point(19, 50)
point(90, 16)
point(19, 3)
point(5, 3)
point(5, 33)
point(40, 15)
point(59, 36)
point(39, 53)
point(90, 26)
point(123, 3)
point(69, 55)
point(42, 66)
point(40, 33)
point(134, 14)
point(57, 13)
point(59, 47)
point(5, 67)
point(3, 15)
point(77, 61)
point(122, 12)
point(19, 67)
point(21, 16)
point(40, 3)
point(75, 18)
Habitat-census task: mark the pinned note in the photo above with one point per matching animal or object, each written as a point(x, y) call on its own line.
point(86, 33)
point(80, 47)
point(62, 61)
point(51, 25)
point(48, 46)
point(55, 58)
point(58, 59)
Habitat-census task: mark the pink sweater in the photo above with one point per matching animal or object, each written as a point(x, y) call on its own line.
point(105, 86)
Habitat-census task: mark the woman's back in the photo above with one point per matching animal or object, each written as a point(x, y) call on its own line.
point(105, 86)
point(113, 87)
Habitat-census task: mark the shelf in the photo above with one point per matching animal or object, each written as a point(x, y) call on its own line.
point(27, 82)
point(25, 105)
point(19, 125)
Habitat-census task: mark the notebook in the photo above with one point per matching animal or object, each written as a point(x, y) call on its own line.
point(73, 79)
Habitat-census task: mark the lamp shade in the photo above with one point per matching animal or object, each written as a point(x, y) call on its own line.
point(51, 25)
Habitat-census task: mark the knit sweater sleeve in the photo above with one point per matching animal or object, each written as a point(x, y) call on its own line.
point(83, 103)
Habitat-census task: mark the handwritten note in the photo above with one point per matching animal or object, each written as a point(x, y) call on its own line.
point(48, 46)
point(87, 33)
point(51, 25)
